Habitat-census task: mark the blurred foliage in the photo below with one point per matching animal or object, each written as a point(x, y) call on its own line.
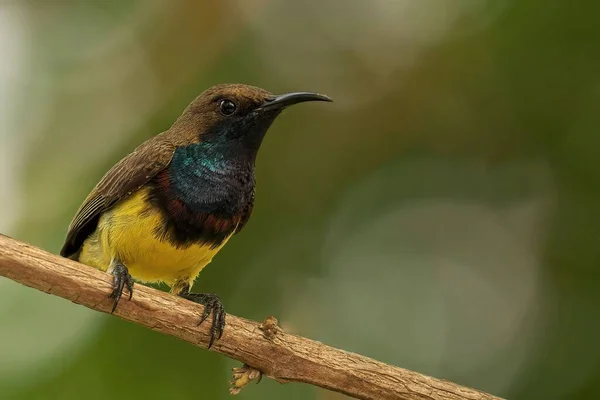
point(440, 215)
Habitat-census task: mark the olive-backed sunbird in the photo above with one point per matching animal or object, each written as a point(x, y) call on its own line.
point(162, 212)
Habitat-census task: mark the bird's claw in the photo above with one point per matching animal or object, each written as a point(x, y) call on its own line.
point(212, 303)
point(121, 280)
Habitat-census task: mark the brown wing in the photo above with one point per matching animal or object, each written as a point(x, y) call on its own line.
point(120, 181)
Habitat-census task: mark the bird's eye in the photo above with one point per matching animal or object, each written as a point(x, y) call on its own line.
point(227, 107)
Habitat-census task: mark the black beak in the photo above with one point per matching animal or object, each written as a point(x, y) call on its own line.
point(285, 100)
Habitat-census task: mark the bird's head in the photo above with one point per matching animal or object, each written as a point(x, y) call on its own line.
point(235, 117)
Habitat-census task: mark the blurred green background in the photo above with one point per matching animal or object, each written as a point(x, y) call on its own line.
point(441, 215)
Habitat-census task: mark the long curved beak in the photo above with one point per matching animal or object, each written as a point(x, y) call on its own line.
point(285, 100)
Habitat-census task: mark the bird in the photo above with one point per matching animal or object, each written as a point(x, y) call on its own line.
point(163, 212)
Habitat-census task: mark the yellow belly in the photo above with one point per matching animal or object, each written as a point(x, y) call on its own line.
point(126, 232)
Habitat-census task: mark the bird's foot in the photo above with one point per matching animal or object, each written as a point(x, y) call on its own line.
point(212, 303)
point(121, 279)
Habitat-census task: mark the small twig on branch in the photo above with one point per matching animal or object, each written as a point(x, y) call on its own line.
point(260, 347)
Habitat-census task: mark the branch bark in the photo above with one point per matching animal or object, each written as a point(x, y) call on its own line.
point(278, 355)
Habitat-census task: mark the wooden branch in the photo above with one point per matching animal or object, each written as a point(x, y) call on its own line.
point(278, 355)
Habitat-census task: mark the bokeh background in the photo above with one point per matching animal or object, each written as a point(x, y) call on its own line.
point(441, 215)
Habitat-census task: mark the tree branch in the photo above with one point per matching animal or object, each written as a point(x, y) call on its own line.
point(278, 355)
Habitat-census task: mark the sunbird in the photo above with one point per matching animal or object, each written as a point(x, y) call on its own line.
point(163, 212)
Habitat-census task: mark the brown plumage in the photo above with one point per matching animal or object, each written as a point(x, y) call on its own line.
point(163, 211)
